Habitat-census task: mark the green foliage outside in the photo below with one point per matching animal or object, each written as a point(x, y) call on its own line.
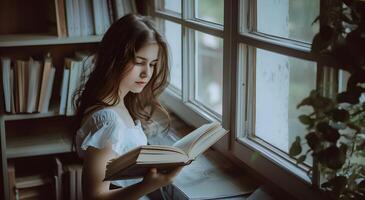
point(336, 127)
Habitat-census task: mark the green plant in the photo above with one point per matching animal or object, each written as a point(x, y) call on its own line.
point(336, 127)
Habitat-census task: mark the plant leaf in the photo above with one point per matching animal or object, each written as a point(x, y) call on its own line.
point(335, 157)
point(313, 141)
point(305, 102)
point(361, 186)
point(301, 159)
point(305, 119)
point(337, 184)
point(295, 148)
point(329, 134)
point(340, 115)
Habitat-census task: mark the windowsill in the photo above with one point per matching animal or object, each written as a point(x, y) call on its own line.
point(211, 175)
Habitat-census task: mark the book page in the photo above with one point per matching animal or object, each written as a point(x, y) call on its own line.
point(205, 142)
point(186, 143)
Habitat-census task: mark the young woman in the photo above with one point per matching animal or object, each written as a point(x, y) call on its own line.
point(131, 70)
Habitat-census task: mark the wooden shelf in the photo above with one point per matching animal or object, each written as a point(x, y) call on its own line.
point(53, 112)
point(37, 40)
point(38, 136)
point(38, 144)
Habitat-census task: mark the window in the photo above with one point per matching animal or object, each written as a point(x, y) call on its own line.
point(287, 19)
point(209, 71)
point(172, 32)
point(275, 72)
point(248, 64)
point(209, 10)
point(279, 83)
point(194, 33)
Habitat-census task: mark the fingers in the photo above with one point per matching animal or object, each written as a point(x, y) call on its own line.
point(153, 170)
point(175, 171)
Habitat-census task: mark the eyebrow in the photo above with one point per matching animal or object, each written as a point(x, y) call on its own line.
point(145, 58)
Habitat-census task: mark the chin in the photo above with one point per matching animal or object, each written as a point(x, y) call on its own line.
point(139, 90)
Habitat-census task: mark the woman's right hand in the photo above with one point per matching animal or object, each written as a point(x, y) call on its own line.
point(157, 179)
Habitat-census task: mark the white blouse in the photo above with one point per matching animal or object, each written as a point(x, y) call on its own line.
point(106, 125)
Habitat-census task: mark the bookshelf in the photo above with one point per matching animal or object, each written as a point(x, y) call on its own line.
point(33, 29)
point(18, 40)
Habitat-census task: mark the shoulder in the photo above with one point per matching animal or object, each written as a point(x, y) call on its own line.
point(102, 117)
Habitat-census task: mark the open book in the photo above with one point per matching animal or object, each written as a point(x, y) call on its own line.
point(137, 162)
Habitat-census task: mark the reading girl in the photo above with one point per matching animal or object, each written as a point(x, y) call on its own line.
point(131, 70)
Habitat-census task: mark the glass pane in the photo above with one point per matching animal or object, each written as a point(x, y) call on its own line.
point(209, 71)
point(210, 10)
point(173, 37)
point(288, 18)
point(173, 5)
point(282, 82)
point(343, 77)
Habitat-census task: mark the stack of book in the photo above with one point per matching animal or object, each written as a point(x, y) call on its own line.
point(62, 181)
point(89, 17)
point(75, 74)
point(27, 85)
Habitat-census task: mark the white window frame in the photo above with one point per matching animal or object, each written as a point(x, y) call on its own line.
point(270, 164)
point(190, 110)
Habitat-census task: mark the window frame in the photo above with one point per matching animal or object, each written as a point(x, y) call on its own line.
point(186, 105)
point(268, 164)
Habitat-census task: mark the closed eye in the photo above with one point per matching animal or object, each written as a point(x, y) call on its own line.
point(153, 64)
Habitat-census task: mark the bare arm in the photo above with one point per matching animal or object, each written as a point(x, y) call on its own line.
point(94, 171)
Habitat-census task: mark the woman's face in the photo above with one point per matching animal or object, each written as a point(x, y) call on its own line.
point(142, 70)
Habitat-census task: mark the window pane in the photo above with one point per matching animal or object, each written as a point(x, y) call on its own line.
point(173, 5)
point(210, 10)
point(209, 71)
point(282, 82)
point(173, 37)
point(288, 18)
point(343, 77)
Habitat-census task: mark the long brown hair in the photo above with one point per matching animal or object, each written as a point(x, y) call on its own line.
point(118, 48)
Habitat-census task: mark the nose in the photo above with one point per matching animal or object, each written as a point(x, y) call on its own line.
point(145, 72)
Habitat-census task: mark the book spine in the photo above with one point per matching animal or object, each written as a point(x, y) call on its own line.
point(64, 87)
point(89, 18)
point(48, 93)
point(45, 76)
point(5, 64)
point(61, 18)
point(31, 86)
point(119, 9)
point(77, 17)
point(70, 18)
point(98, 17)
point(12, 91)
point(105, 15)
point(72, 87)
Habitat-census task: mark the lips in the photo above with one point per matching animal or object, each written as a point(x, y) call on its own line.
point(140, 82)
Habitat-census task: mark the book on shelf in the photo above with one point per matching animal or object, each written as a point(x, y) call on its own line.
point(74, 65)
point(11, 179)
point(63, 91)
point(105, 16)
point(61, 18)
point(123, 7)
point(86, 18)
point(33, 84)
point(20, 83)
point(79, 69)
point(46, 84)
point(137, 162)
point(7, 82)
point(101, 16)
point(72, 181)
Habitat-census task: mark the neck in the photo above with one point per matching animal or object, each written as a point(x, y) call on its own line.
point(122, 93)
